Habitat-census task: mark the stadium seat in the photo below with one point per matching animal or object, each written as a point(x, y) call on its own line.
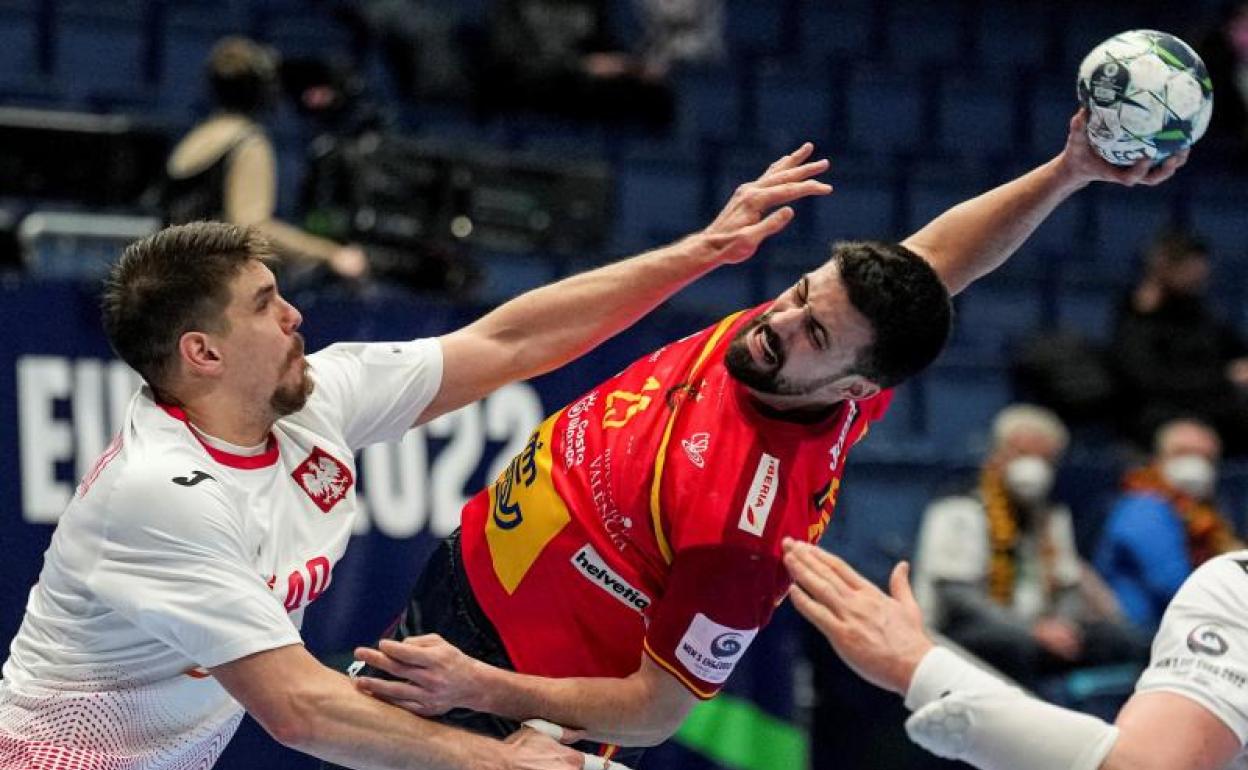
point(1011, 35)
point(298, 29)
point(101, 50)
point(885, 110)
point(1083, 26)
point(506, 274)
point(916, 35)
point(977, 116)
point(1127, 221)
point(792, 105)
point(718, 293)
point(879, 510)
point(656, 198)
point(1221, 221)
point(932, 193)
point(708, 103)
point(1089, 310)
point(992, 314)
point(19, 53)
point(846, 29)
point(861, 207)
point(1050, 102)
point(1059, 237)
point(962, 399)
point(751, 26)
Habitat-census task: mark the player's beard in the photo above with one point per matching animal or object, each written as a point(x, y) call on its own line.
point(758, 377)
point(288, 399)
point(750, 373)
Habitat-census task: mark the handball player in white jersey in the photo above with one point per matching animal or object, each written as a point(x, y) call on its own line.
point(171, 597)
point(1189, 710)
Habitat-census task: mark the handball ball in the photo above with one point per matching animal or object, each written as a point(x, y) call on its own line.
point(1148, 95)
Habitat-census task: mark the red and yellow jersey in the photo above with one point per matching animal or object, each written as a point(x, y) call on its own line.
point(648, 515)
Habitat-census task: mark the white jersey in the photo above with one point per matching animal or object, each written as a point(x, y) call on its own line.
point(176, 556)
point(1201, 649)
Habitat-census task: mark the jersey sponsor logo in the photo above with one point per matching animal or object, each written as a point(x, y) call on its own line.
point(591, 565)
point(710, 650)
point(323, 478)
point(526, 512)
point(694, 446)
point(1207, 639)
point(193, 479)
point(761, 496)
point(521, 470)
point(839, 447)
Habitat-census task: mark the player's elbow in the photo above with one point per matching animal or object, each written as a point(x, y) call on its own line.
point(661, 717)
point(293, 719)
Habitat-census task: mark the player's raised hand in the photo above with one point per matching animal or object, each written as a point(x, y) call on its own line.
point(435, 675)
point(1081, 162)
point(751, 216)
point(879, 636)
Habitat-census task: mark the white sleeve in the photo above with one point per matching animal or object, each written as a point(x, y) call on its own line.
point(953, 540)
point(377, 389)
point(1201, 649)
point(174, 562)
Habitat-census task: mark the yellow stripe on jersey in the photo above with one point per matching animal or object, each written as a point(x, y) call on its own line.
point(660, 459)
point(676, 672)
point(526, 512)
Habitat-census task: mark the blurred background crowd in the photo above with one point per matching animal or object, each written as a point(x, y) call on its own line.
point(1076, 451)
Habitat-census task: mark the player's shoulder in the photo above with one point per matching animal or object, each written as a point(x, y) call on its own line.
point(1223, 578)
point(176, 484)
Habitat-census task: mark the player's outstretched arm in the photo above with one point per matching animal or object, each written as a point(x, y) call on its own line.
point(310, 708)
point(964, 713)
point(547, 327)
point(974, 238)
point(642, 709)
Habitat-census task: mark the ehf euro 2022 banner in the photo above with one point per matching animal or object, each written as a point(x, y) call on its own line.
point(62, 397)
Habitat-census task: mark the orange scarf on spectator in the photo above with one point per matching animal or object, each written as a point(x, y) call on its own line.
point(1208, 533)
point(1003, 537)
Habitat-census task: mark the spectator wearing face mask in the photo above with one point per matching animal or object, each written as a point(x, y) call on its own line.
point(997, 570)
point(1173, 356)
point(1166, 524)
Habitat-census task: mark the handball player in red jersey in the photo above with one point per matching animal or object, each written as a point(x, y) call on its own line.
point(618, 569)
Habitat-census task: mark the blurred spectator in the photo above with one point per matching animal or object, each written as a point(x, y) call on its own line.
point(557, 56)
point(225, 168)
point(421, 41)
point(997, 570)
point(1165, 524)
point(1172, 356)
point(681, 32)
point(1225, 53)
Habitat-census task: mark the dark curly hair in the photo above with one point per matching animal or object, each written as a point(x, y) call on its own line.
point(904, 300)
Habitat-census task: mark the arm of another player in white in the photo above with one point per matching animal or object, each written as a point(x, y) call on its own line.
point(1190, 711)
point(962, 712)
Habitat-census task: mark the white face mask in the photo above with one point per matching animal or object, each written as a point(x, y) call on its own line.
point(1029, 479)
point(1191, 474)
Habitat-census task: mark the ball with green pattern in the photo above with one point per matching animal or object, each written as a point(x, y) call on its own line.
point(1148, 95)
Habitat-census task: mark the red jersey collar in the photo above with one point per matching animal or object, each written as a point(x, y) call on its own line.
point(229, 459)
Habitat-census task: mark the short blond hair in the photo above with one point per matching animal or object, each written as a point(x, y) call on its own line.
point(1017, 417)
